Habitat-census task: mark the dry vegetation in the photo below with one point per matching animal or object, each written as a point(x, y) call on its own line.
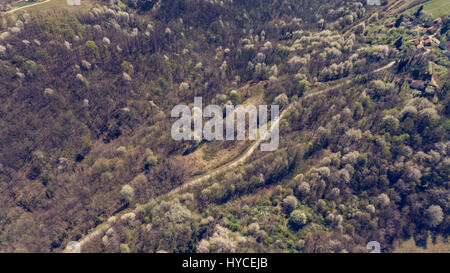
point(85, 117)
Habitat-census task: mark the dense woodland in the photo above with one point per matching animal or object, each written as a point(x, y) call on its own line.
point(85, 102)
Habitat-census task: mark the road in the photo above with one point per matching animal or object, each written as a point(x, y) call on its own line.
point(27, 6)
point(389, 65)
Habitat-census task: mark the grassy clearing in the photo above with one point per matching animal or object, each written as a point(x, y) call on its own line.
point(439, 246)
point(435, 8)
point(211, 155)
point(54, 5)
point(22, 4)
point(441, 72)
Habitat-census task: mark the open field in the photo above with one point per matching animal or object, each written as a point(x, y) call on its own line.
point(61, 4)
point(409, 246)
point(52, 5)
point(436, 8)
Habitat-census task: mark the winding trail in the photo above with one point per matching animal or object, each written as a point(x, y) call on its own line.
point(241, 159)
point(230, 165)
point(389, 65)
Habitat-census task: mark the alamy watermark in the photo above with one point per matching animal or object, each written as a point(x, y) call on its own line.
point(374, 246)
point(374, 2)
point(235, 125)
point(73, 2)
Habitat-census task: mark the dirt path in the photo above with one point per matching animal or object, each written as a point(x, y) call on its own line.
point(389, 65)
point(433, 77)
point(232, 164)
point(27, 6)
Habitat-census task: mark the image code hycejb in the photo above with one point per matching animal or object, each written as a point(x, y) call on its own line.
point(224, 135)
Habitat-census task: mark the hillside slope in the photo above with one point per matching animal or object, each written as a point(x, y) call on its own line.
point(86, 147)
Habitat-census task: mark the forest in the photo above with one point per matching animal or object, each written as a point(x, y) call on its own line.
point(85, 139)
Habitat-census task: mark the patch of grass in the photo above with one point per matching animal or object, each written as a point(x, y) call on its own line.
point(441, 72)
point(22, 4)
point(439, 245)
point(435, 8)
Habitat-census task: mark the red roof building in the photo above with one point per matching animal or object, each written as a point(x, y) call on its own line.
point(390, 25)
point(435, 41)
point(418, 85)
point(427, 42)
point(438, 21)
point(431, 30)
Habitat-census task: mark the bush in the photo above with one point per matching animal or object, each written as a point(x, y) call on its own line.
point(253, 228)
point(303, 87)
point(124, 248)
point(281, 100)
point(383, 200)
point(297, 219)
point(289, 203)
point(127, 193)
point(177, 212)
point(304, 189)
point(127, 67)
point(235, 97)
point(92, 49)
point(434, 215)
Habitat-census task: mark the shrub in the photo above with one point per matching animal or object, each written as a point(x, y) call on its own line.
point(303, 87)
point(184, 86)
point(304, 189)
point(222, 241)
point(177, 212)
point(297, 219)
point(203, 246)
point(126, 77)
point(370, 208)
point(383, 200)
point(127, 193)
point(86, 65)
point(289, 203)
point(281, 100)
point(360, 28)
point(127, 67)
point(82, 79)
point(334, 194)
point(124, 248)
point(92, 48)
point(253, 228)
point(390, 123)
point(434, 215)
point(235, 97)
